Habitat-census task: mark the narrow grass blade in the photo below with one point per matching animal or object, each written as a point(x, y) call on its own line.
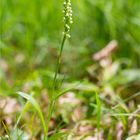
point(127, 99)
point(7, 131)
point(62, 93)
point(22, 112)
point(99, 111)
point(125, 114)
point(66, 90)
point(36, 106)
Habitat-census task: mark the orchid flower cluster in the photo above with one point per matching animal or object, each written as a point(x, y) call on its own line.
point(67, 17)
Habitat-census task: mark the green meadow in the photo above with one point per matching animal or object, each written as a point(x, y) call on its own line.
point(70, 70)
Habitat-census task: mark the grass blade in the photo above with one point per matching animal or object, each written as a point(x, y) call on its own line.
point(99, 111)
point(36, 106)
point(27, 105)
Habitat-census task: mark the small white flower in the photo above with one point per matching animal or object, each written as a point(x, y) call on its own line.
point(67, 16)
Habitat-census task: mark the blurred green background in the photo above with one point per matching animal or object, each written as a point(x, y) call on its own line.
point(30, 38)
point(31, 32)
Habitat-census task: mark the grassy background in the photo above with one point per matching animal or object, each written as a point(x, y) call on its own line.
point(30, 35)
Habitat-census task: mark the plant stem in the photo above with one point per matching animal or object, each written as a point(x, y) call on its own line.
point(52, 101)
point(58, 63)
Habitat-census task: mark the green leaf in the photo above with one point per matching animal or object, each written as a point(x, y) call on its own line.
point(99, 110)
point(36, 106)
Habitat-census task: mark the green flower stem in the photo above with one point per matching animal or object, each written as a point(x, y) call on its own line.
point(58, 62)
point(52, 101)
point(67, 21)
